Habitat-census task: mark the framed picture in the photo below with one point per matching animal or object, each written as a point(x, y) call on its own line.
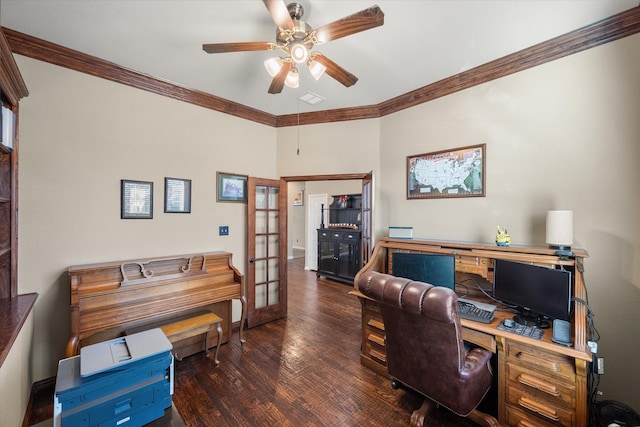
point(136, 199)
point(458, 172)
point(231, 187)
point(299, 199)
point(177, 195)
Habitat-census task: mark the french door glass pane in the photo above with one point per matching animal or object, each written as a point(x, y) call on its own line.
point(261, 296)
point(273, 197)
point(261, 197)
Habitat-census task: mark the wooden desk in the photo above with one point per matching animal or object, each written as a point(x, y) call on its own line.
point(539, 382)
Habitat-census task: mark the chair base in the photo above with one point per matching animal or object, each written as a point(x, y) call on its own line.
point(419, 415)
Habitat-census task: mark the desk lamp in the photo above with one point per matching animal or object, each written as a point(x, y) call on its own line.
point(560, 232)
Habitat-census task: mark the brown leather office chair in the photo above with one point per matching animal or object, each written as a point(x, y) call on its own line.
point(424, 346)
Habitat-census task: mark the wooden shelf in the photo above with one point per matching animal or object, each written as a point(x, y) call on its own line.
point(13, 314)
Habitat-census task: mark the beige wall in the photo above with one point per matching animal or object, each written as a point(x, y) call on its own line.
point(562, 135)
point(333, 148)
point(79, 137)
point(565, 135)
point(16, 378)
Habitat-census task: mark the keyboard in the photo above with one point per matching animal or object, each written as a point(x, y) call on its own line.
point(476, 311)
point(526, 331)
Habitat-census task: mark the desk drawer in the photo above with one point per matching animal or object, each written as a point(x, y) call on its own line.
point(479, 338)
point(557, 393)
point(553, 365)
point(473, 264)
point(373, 333)
point(537, 411)
point(520, 418)
point(374, 348)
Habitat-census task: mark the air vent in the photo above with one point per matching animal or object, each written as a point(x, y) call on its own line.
point(312, 98)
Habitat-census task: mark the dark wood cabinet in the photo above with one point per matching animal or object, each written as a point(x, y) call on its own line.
point(339, 253)
point(340, 243)
point(345, 211)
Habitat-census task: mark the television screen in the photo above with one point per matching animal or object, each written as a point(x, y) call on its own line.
point(542, 291)
point(435, 269)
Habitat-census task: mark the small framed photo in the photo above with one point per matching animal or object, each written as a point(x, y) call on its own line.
point(231, 187)
point(299, 199)
point(459, 172)
point(177, 195)
point(136, 199)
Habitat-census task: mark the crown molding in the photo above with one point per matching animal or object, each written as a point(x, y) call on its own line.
point(11, 83)
point(604, 31)
point(32, 47)
point(607, 30)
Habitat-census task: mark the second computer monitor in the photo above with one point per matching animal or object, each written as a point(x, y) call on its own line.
point(435, 269)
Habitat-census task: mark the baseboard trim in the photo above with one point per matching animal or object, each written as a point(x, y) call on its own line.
point(37, 387)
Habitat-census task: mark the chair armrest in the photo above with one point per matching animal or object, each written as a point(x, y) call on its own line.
point(477, 359)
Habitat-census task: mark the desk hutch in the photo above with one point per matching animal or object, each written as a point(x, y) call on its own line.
point(539, 382)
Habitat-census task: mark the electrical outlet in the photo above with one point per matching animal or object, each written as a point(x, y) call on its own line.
point(601, 365)
point(223, 230)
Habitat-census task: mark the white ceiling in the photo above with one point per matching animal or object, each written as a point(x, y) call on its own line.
point(420, 42)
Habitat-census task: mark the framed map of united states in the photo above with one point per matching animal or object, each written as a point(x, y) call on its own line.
point(459, 172)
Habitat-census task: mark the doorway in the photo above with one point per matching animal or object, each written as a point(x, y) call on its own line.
point(318, 190)
point(313, 220)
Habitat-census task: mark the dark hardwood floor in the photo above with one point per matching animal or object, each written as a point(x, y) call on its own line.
point(300, 371)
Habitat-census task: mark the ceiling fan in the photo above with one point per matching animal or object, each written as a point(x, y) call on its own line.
point(296, 39)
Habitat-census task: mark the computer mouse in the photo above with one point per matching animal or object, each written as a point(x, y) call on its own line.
point(509, 323)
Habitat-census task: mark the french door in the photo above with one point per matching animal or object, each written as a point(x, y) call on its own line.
point(367, 217)
point(266, 277)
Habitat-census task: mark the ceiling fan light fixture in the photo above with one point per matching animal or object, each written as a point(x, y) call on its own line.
point(299, 52)
point(273, 65)
point(316, 69)
point(293, 79)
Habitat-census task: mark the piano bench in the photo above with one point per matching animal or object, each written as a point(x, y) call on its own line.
point(198, 324)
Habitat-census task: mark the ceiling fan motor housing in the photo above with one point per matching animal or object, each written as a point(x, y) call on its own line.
point(296, 41)
point(296, 11)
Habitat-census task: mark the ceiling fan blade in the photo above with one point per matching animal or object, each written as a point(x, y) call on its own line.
point(336, 71)
point(361, 21)
point(236, 47)
point(279, 13)
point(277, 84)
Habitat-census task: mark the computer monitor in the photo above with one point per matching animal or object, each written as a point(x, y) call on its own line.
point(539, 293)
point(435, 269)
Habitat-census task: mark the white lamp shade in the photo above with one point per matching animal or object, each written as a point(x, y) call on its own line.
point(560, 228)
point(293, 79)
point(316, 69)
point(273, 65)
